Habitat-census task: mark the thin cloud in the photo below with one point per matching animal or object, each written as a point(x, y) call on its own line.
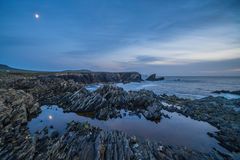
point(121, 35)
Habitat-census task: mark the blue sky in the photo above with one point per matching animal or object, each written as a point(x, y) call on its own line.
point(187, 37)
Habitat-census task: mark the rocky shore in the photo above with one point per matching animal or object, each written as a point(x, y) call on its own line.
point(107, 101)
point(218, 111)
point(103, 77)
point(81, 141)
point(225, 91)
point(87, 77)
point(21, 98)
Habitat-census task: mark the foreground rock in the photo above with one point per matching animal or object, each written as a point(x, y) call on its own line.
point(107, 101)
point(153, 77)
point(16, 107)
point(80, 141)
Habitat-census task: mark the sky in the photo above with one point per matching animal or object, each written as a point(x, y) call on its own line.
point(187, 37)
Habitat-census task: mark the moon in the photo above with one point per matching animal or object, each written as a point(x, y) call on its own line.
point(37, 15)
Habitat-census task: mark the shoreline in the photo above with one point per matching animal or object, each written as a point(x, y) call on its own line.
point(104, 102)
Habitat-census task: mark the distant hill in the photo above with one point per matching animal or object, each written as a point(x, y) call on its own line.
point(6, 68)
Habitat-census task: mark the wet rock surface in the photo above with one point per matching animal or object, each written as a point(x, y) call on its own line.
point(82, 141)
point(107, 101)
point(16, 107)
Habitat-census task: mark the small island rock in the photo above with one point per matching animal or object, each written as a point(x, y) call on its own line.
point(153, 77)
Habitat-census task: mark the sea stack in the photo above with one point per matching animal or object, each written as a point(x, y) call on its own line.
point(153, 77)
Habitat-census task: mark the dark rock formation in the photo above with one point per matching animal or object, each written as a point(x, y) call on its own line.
point(82, 141)
point(45, 90)
point(153, 77)
point(81, 76)
point(153, 113)
point(44, 87)
point(225, 91)
point(16, 107)
point(107, 101)
point(99, 77)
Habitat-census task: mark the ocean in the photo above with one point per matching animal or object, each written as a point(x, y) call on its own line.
point(188, 87)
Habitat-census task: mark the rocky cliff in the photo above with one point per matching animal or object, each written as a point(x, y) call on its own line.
point(99, 77)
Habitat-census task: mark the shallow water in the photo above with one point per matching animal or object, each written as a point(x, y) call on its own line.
point(92, 87)
point(178, 130)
